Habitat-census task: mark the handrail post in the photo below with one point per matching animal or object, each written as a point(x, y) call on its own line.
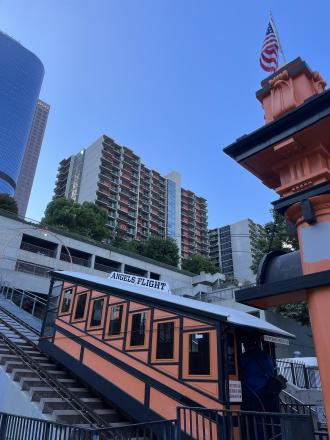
point(22, 299)
point(34, 306)
point(3, 425)
point(178, 424)
point(306, 378)
point(293, 374)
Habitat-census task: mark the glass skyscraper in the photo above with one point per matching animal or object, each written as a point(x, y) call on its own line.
point(21, 75)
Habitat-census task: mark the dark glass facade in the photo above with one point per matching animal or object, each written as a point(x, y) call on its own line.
point(21, 75)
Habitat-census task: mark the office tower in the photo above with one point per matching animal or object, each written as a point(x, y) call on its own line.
point(140, 202)
point(231, 248)
point(21, 75)
point(31, 156)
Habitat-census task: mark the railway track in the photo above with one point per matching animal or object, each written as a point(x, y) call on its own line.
point(57, 392)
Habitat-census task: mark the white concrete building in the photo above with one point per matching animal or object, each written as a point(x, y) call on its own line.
point(28, 252)
point(232, 247)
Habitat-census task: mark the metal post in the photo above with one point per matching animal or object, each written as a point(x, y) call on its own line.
point(34, 306)
point(22, 299)
point(3, 425)
point(293, 374)
point(306, 377)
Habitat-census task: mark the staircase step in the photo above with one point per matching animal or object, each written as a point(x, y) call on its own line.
point(38, 393)
point(49, 404)
point(108, 415)
point(11, 365)
point(18, 373)
point(4, 357)
point(68, 416)
point(94, 403)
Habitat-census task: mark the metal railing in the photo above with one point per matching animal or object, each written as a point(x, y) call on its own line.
point(19, 427)
point(105, 268)
point(38, 250)
point(75, 260)
point(34, 269)
point(161, 430)
point(297, 373)
point(25, 300)
point(210, 424)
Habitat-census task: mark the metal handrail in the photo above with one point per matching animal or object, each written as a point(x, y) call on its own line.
point(299, 374)
point(27, 301)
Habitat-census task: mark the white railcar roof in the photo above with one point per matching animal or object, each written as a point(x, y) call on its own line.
point(232, 316)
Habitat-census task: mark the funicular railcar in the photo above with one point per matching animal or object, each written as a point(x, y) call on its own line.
point(144, 349)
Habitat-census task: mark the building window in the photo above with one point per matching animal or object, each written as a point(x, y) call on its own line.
point(138, 329)
point(165, 340)
point(116, 317)
point(97, 309)
point(199, 354)
point(66, 300)
point(80, 306)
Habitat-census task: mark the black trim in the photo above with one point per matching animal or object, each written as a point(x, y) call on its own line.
point(149, 302)
point(142, 376)
point(282, 204)
point(309, 113)
point(137, 373)
point(180, 349)
point(8, 179)
point(303, 283)
point(197, 329)
point(151, 335)
point(170, 318)
point(127, 404)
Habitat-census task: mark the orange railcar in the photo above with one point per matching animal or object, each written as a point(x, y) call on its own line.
point(144, 349)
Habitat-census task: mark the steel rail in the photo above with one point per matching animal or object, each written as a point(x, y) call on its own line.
point(93, 419)
point(20, 321)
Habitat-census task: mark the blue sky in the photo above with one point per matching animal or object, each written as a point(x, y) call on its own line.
point(174, 80)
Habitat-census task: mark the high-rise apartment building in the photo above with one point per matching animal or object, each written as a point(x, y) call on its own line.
point(21, 75)
point(232, 247)
point(31, 157)
point(140, 202)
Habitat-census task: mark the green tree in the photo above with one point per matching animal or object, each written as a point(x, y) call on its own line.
point(160, 249)
point(273, 237)
point(8, 203)
point(85, 219)
point(197, 264)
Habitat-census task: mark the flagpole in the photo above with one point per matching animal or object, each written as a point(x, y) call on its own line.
point(277, 35)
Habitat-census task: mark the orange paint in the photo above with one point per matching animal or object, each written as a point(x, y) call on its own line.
point(192, 324)
point(160, 314)
point(67, 345)
point(163, 405)
point(136, 306)
point(208, 387)
point(172, 370)
point(141, 366)
point(125, 381)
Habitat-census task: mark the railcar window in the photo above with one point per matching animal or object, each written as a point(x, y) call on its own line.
point(116, 316)
point(67, 297)
point(199, 354)
point(165, 340)
point(138, 329)
point(97, 312)
point(81, 306)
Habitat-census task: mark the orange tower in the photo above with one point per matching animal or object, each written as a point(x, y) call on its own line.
point(291, 154)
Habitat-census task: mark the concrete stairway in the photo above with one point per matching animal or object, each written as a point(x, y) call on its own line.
point(50, 402)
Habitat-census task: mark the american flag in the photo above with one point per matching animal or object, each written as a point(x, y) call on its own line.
point(270, 48)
